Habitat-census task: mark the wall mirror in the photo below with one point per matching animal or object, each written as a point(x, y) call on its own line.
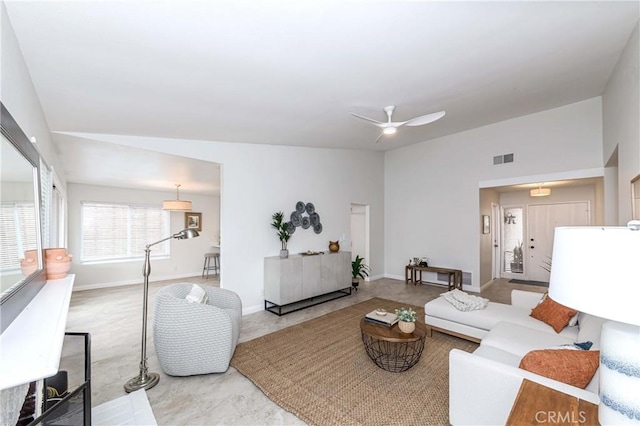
point(635, 198)
point(22, 272)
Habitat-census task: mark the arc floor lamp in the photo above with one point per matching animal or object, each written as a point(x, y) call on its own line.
point(146, 380)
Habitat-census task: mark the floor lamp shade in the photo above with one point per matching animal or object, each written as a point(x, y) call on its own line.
point(596, 270)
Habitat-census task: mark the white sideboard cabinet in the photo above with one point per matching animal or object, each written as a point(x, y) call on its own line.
point(300, 281)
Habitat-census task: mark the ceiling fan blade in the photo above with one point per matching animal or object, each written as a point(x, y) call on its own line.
point(425, 119)
point(371, 120)
point(379, 137)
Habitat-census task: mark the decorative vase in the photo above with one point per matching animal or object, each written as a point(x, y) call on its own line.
point(30, 262)
point(57, 263)
point(284, 253)
point(407, 327)
point(334, 246)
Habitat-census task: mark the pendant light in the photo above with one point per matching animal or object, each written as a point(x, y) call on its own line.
point(177, 204)
point(540, 191)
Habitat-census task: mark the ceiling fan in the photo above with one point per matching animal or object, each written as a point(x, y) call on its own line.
point(391, 127)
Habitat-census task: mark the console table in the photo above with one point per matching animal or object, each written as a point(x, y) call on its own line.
point(414, 274)
point(300, 281)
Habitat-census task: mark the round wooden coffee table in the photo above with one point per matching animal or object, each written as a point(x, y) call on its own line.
point(391, 349)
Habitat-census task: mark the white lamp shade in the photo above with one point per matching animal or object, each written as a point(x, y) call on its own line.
point(597, 270)
point(540, 192)
point(176, 205)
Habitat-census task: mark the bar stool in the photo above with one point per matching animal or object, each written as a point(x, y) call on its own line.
point(208, 266)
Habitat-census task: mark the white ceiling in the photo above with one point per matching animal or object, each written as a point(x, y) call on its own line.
point(290, 72)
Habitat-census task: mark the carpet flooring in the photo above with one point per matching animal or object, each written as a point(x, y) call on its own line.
point(319, 371)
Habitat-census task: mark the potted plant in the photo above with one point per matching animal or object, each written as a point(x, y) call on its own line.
point(518, 258)
point(358, 270)
point(282, 232)
point(406, 319)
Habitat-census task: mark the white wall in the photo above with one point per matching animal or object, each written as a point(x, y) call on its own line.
point(440, 219)
point(187, 256)
point(621, 118)
point(258, 180)
point(19, 95)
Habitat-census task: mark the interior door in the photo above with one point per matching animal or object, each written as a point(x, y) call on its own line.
point(543, 219)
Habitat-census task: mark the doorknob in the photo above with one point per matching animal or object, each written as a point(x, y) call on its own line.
point(531, 247)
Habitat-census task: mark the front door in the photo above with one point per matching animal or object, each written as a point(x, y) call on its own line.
point(542, 220)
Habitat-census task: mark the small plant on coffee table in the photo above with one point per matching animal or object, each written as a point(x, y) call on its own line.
point(406, 320)
point(358, 270)
point(406, 314)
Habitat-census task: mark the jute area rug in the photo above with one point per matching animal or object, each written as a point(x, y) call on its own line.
point(319, 371)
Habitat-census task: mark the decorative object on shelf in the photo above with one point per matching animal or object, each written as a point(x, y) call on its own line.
point(419, 261)
point(585, 257)
point(29, 264)
point(406, 320)
point(334, 246)
point(58, 262)
point(311, 253)
point(193, 220)
point(177, 204)
point(282, 231)
point(146, 380)
point(358, 270)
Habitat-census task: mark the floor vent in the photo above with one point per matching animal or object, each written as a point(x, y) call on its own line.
point(466, 278)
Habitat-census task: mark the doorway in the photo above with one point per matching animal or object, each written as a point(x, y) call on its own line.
point(542, 221)
point(360, 232)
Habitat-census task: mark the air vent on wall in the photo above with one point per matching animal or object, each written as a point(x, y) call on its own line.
point(500, 159)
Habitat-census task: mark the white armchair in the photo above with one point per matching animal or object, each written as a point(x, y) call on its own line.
point(194, 338)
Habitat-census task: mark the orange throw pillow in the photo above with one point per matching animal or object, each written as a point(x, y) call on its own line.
point(553, 313)
point(570, 366)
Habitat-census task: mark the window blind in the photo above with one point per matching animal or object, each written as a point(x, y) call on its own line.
point(121, 231)
point(17, 232)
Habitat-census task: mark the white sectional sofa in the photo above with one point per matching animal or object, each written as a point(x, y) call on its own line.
point(483, 385)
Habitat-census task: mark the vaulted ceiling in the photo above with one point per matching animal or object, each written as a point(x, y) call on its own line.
point(291, 72)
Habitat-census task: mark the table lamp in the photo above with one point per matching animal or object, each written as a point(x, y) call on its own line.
point(596, 270)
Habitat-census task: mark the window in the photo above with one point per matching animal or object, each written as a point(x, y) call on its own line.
point(121, 231)
point(17, 232)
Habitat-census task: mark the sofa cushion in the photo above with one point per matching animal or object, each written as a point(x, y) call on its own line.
point(573, 367)
point(590, 329)
point(519, 340)
point(553, 313)
point(498, 355)
point(486, 319)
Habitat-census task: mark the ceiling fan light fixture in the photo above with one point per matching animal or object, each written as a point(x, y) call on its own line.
point(540, 192)
point(389, 130)
point(177, 204)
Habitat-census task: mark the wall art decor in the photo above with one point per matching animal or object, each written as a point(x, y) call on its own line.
point(486, 224)
point(305, 216)
point(193, 220)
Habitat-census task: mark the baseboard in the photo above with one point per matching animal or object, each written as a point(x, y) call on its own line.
point(252, 309)
point(374, 277)
point(132, 282)
point(394, 277)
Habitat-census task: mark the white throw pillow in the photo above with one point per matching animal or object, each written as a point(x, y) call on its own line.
point(197, 295)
